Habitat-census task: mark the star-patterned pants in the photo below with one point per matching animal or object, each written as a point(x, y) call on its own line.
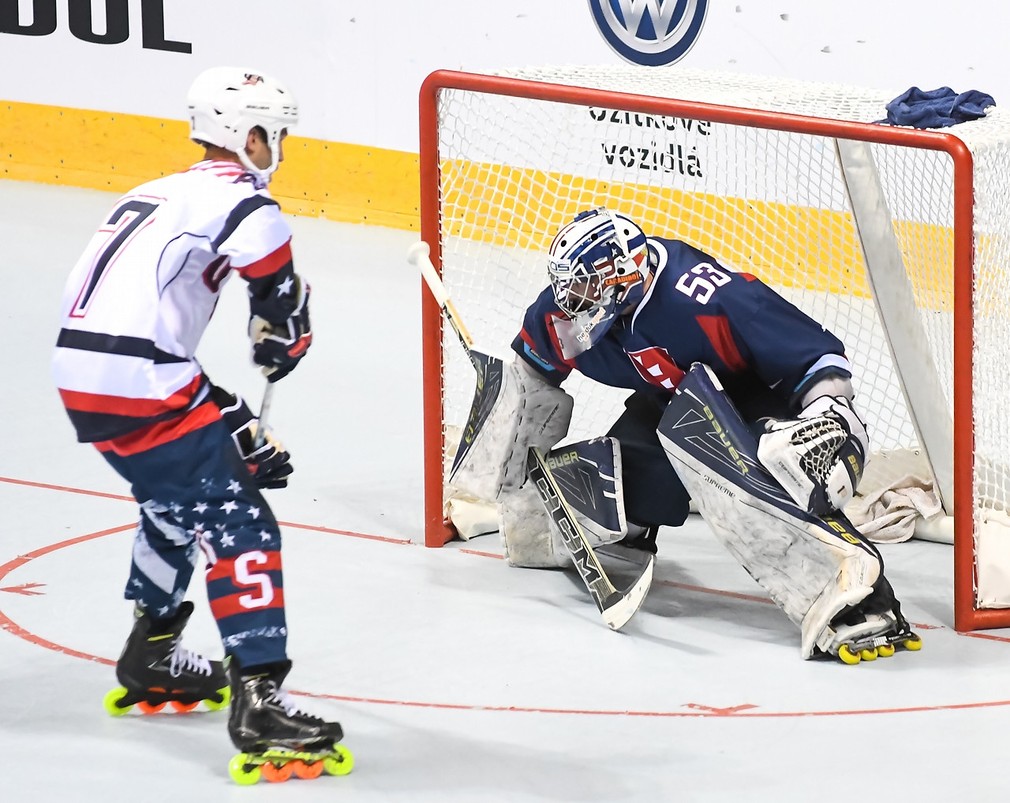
point(196, 495)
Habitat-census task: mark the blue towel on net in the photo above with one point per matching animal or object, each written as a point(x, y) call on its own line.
point(937, 108)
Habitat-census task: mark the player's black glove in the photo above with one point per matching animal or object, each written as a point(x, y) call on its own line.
point(269, 464)
point(279, 346)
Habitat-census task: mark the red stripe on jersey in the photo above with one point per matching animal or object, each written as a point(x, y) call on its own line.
point(716, 328)
point(269, 264)
point(250, 601)
point(219, 168)
point(125, 406)
point(161, 432)
point(750, 277)
point(224, 568)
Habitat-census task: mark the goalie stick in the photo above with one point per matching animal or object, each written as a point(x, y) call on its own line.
point(616, 607)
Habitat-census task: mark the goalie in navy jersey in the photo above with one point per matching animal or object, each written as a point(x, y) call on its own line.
point(637, 312)
point(134, 310)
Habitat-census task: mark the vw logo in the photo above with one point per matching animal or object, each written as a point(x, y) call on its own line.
point(650, 32)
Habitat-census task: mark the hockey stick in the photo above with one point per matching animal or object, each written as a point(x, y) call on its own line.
point(617, 607)
point(261, 427)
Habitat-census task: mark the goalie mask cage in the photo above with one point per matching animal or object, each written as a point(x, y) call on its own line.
point(896, 239)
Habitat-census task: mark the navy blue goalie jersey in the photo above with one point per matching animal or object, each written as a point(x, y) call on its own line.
point(764, 350)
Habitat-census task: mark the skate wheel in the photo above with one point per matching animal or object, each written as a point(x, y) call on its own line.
point(183, 708)
point(242, 771)
point(341, 763)
point(846, 656)
point(149, 708)
point(307, 769)
point(914, 644)
point(276, 774)
point(111, 702)
point(869, 654)
point(214, 705)
point(885, 650)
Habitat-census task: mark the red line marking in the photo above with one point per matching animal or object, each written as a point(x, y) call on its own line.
point(65, 489)
point(738, 712)
point(27, 589)
point(481, 554)
point(12, 627)
point(716, 591)
point(320, 529)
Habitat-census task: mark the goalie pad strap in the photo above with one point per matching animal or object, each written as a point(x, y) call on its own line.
point(513, 409)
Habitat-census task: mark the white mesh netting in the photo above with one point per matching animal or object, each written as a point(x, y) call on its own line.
point(765, 201)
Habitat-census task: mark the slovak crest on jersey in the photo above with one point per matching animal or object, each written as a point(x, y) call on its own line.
point(657, 367)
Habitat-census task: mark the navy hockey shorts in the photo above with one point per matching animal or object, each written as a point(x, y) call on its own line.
point(196, 495)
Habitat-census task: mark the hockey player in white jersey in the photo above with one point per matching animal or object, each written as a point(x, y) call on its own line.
point(647, 313)
point(134, 310)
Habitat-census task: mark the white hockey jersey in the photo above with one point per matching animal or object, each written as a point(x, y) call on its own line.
point(142, 294)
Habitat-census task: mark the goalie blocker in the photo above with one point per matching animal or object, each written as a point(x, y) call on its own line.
point(820, 571)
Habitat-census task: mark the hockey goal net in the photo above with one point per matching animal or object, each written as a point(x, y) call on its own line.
point(897, 240)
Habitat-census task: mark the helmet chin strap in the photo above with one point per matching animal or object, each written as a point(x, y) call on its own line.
point(263, 174)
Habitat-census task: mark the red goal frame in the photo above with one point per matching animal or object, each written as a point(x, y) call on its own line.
point(438, 532)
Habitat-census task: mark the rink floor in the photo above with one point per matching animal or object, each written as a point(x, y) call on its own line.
point(456, 678)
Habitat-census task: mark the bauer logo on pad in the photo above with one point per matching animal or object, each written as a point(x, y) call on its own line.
point(650, 32)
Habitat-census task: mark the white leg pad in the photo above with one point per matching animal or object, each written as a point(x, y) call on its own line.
point(812, 568)
point(529, 536)
point(513, 409)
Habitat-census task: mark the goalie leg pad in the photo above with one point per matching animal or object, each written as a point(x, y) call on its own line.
point(513, 409)
point(812, 568)
point(589, 476)
point(530, 539)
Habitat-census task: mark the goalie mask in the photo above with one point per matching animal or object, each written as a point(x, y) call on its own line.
point(226, 103)
point(597, 264)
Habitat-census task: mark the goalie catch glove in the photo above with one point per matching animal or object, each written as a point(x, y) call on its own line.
point(278, 347)
point(269, 464)
point(817, 458)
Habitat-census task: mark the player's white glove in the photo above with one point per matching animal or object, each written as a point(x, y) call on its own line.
point(817, 458)
point(269, 464)
point(279, 346)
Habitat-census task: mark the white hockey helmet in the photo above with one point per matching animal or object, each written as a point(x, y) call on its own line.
point(226, 103)
point(597, 264)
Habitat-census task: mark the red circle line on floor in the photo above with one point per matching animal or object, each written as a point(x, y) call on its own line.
point(700, 711)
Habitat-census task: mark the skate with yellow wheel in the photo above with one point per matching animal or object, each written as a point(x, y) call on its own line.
point(278, 765)
point(157, 672)
point(277, 739)
point(875, 628)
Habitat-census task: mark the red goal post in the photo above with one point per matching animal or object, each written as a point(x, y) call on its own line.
point(894, 238)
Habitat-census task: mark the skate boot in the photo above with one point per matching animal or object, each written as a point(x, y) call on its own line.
point(155, 669)
point(275, 736)
point(873, 628)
